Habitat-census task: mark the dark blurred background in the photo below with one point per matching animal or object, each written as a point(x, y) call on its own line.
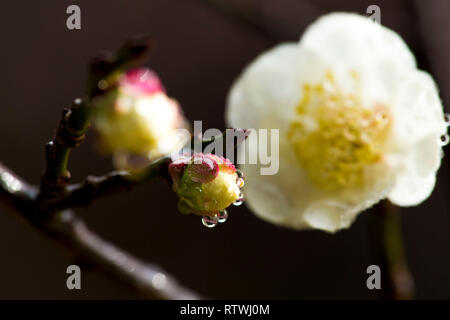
point(200, 50)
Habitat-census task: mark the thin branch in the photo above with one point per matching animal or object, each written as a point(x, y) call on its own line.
point(14, 192)
point(147, 278)
point(76, 120)
point(387, 244)
point(92, 187)
point(45, 207)
point(66, 228)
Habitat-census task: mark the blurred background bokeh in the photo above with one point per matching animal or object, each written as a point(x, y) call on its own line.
point(201, 47)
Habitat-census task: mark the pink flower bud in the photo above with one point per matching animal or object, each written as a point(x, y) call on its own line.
point(204, 168)
point(141, 81)
point(137, 121)
point(205, 184)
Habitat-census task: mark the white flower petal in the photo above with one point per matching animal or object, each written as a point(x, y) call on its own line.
point(417, 109)
point(278, 198)
point(416, 173)
point(352, 40)
point(410, 190)
point(265, 199)
point(288, 198)
point(328, 215)
point(266, 94)
point(419, 124)
point(365, 59)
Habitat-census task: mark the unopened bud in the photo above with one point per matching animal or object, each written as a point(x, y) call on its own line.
point(138, 119)
point(205, 184)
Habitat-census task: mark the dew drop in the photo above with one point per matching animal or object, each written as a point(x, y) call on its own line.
point(445, 139)
point(210, 222)
point(447, 118)
point(222, 216)
point(103, 84)
point(240, 182)
point(159, 280)
point(240, 200)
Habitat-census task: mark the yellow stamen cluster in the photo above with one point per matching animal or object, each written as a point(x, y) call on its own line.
point(335, 137)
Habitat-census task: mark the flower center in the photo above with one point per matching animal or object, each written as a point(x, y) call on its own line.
point(335, 138)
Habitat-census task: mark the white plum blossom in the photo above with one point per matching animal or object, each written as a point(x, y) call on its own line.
point(358, 123)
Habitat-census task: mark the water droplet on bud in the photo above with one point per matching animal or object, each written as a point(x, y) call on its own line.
point(210, 222)
point(445, 139)
point(103, 84)
point(240, 200)
point(222, 216)
point(447, 118)
point(240, 182)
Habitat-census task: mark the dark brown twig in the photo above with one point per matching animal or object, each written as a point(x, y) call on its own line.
point(387, 246)
point(150, 279)
point(92, 187)
point(76, 120)
point(43, 207)
point(47, 207)
point(71, 231)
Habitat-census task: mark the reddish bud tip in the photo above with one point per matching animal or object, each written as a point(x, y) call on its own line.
point(203, 169)
point(142, 80)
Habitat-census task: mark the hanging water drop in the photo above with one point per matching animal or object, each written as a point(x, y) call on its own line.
point(222, 216)
point(240, 200)
point(447, 119)
point(210, 222)
point(445, 139)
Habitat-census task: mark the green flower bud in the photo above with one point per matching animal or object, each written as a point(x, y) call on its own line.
point(205, 184)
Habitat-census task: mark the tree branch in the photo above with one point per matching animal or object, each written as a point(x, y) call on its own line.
point(75, 121)
point(387, 246)
point(14, 192)
point(70, 230)
point(151, 280)
point(46, 207)
point(92, 187)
